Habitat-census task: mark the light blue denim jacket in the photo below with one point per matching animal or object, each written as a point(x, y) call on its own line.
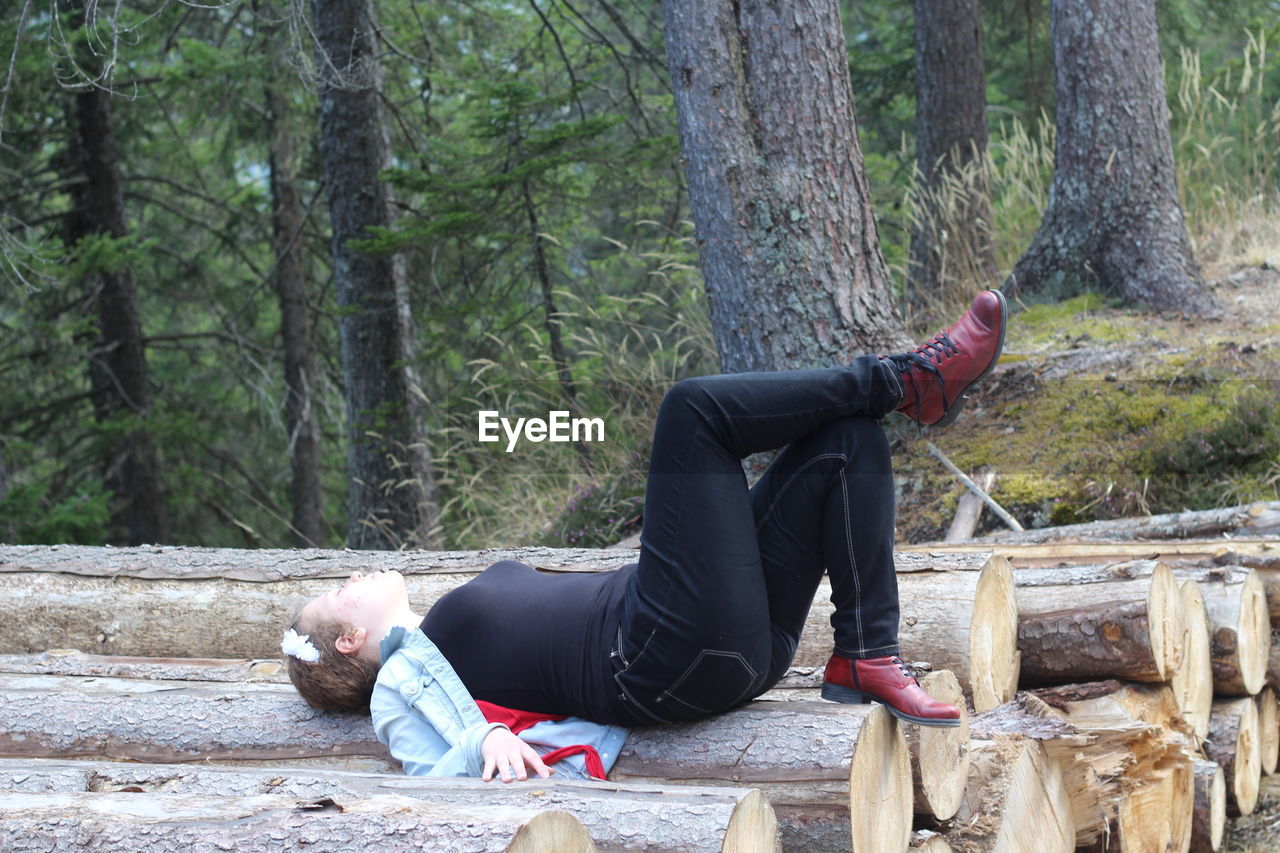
point(424, 714)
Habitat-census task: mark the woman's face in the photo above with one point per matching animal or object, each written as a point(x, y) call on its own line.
point(364, 601)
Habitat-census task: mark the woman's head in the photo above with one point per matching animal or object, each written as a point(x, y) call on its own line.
point(331, 652)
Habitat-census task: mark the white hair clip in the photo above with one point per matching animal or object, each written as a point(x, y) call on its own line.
point(299, 645)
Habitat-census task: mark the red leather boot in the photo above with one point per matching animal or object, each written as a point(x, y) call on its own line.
point(889, 681)
point(936, 374)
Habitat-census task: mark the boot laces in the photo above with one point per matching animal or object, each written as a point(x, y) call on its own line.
point(906, 670)
point(927, 357)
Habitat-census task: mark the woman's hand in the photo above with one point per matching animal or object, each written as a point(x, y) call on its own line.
point(505, 752)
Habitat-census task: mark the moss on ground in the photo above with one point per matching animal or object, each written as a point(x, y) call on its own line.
point(1183, 421)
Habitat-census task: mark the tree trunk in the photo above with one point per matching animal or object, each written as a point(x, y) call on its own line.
point(1015, 793)
point(1239, 627)
point(180, 823)
point(287, 219)
point(390, 483)
point(1088, 623)
point(1192, 684)
point(813, 760)
point(790, 254)
point(1233, 744)
point(1114, 222)
point(551, 320)
point(1209, 818)
point(939, 756)
point(616, 816)
point(951, 247)
point(117, 366)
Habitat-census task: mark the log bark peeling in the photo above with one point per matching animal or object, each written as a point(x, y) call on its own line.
point(1081, 623)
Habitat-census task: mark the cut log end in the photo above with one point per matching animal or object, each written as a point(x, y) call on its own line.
point(1239, 627)
point(1165, 801)
point(552, 832)
point(880, 786)
point(993, 637)
point(753, 828)
point(1253, 634)
point(940, 756)
point(1268, 730)
point(1015, 793)
point(1167, 623)
point(1209, 819)
point(1193, 682)
point(1233, 743)
point(924, 841)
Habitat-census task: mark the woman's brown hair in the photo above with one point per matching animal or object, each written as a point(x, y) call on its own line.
point(336, 682)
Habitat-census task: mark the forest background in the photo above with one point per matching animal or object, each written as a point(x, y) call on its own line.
point(544, 247)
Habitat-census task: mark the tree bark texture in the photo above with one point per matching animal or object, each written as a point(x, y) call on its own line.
point(71, 662)
point(616, 816)
point(1015, 793)
point(1247, 520)
point(159, 721)
point(790, 254)
point(287, 219)
point(1233, 744)
point(1239, 627)
point(950, 242)
point(386, 457)
point(1209, 818)
point(267, 564)
point(1114, 222)
point(1088, 623)
point(118, 372)
point(260, 824)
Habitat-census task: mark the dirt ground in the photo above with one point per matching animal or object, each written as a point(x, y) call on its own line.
point(1260, 831)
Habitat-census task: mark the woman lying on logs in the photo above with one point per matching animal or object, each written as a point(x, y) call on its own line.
point(707, 619)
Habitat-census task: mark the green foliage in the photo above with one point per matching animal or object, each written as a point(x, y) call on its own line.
point(537, 177)
point(29, 515)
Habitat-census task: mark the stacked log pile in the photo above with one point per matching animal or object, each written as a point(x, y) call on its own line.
point(1122, 697)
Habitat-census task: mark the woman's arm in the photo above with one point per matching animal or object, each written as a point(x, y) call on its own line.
point(509, 755)
point(420, 748)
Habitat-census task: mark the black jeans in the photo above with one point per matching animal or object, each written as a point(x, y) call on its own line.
point(713, 613)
